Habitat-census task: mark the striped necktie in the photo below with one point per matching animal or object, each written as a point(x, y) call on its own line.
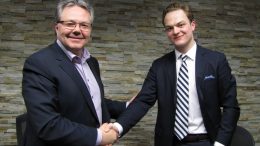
point(182, 106)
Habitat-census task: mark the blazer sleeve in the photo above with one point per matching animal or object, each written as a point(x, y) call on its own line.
point(228, 100)
point(115, 108)
point(40, 94)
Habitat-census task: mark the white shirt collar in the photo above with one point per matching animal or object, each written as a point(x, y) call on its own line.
point(191, 53)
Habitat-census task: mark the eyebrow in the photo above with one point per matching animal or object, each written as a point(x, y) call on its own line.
point(181, 22)
point(74, 21)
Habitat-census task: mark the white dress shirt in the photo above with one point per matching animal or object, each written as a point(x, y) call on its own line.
point(196, 124)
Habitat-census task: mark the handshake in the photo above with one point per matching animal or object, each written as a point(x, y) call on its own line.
point(110, 134)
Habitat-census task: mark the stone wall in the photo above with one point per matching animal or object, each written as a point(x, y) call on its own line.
point(127, 37)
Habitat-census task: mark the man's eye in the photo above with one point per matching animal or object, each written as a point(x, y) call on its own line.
point(85, 25)
point(70, 24)
point(168, 28)
point(181, 25)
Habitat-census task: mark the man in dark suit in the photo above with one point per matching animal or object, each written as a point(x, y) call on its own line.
point(194, 89)
point(62, 88)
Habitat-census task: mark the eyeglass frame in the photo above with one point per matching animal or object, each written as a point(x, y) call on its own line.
point(74, 24)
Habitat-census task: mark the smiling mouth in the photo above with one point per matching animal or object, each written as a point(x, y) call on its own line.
point(75, 38)
point(177, 38)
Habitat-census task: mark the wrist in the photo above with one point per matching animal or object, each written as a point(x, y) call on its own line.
point(118, 128)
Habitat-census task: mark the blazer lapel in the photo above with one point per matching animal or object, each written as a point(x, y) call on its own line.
point(70, 69)
point(95, 72)
point(200, 67)
point(172, 77)
point(93, 65)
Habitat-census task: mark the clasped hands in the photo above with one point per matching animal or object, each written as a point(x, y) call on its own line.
point(110, 134)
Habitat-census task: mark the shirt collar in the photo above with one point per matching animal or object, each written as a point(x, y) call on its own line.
point(86, 54)
point(191, 53)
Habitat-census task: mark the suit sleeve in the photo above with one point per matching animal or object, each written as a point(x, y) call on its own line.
point(41, 98)
point(115, 108)
point(227, 93)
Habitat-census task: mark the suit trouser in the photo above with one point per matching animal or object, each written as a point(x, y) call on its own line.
point(205, 142)
point(199, 143)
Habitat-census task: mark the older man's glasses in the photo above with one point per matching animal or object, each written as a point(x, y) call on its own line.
point(84, 26)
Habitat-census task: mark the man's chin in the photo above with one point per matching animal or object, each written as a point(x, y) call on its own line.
point(75, 46)
point(179, 45)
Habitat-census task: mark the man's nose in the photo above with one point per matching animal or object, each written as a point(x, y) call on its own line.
point(175, 30)
point(77, 30)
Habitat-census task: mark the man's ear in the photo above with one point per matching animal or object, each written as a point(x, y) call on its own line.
point(193, 25)
point(55, 27)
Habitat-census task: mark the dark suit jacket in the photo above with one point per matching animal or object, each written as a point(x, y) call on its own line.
point(59, 106)
point(216, 88)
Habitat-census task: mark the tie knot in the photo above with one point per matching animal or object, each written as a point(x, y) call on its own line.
point(76, 59)
point(183, 57)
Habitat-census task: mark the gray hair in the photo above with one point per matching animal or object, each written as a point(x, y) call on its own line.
point(69, 3)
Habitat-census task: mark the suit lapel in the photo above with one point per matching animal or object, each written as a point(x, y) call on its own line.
point(200, 68)
point(93, 65)
point(95, 72)
point(171, 70)
point(70, 69)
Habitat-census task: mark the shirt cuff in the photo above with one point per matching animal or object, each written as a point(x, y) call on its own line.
point(119, 128)
point(127, 103)
point(99, 137)
point(218, 144)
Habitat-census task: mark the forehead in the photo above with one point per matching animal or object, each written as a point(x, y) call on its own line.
point(74, 13)
point(175, 17)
